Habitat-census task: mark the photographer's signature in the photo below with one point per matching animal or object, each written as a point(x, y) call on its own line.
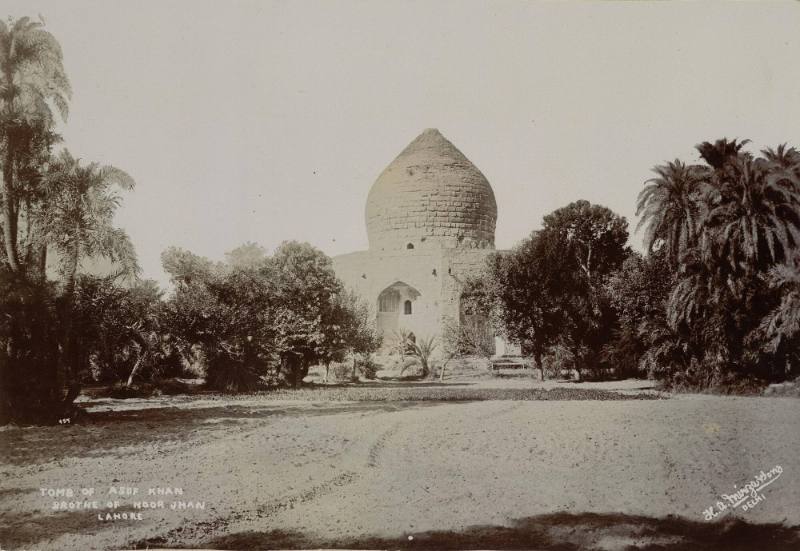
point(746, 497)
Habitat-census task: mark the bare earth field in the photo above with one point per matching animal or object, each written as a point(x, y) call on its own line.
point(529, 465)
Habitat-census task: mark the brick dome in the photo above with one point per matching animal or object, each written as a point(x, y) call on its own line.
point(431, 195)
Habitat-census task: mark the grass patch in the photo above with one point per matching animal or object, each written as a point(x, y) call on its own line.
point(433, 393)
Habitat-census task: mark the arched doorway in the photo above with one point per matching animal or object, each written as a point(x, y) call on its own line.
point(396, 307)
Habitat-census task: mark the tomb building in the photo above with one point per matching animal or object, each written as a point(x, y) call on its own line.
point(430, 217)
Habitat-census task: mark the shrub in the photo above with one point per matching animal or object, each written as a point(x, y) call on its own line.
point(342, 371)
point(265, 321)
point(367, 365)
point(32, 385)
point(148, 389)
point(235, 372)
point(557, 359)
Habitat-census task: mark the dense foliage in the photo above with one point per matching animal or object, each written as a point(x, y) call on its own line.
point(268, 320)
point(121, 333)
point(713, 303)
point(250, 321)
point(548, 293)
point(731, 240)
point(50, 204)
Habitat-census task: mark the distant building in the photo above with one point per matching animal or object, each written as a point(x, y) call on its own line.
point(431, 219)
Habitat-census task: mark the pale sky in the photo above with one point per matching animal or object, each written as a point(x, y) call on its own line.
point(266, 121)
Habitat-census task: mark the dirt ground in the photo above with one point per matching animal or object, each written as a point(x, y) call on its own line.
point(498, 473)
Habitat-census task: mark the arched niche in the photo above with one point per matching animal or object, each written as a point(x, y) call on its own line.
point(396, 303)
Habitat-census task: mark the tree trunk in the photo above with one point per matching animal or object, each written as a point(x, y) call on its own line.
point(28, 231)
point(43, 262)
point(441, 373)
point(67, 371)
point(537, 359)
point(134, 370)
point(9, 214)
point(72, 272)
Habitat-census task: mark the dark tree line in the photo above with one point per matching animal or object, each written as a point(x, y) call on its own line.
point(51, 204)
point(713, 302)
point(261, 320)
point(251, 321)
point(730, 232)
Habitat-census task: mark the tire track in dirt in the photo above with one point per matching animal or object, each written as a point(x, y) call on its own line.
point(670, 468)
point(515, 405)
point(376, 450)
point(200, 531)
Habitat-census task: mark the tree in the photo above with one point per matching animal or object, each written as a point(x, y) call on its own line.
point(783, 156)
point(754, 213)
point(32, 78)
point(465, 338)
point(237, 328)
point(47, 201)
point(594, 235)
point(119, 330)
point(403, 344)
point(229, 314)
point(249, 255)
point(30, 197)
point(671, 207)
point(29, 349)
point(752, 223)
point(638, 292)
point(79, 223)
point(726, 301)
point(423, 350)
point(518, 286)
point(357, 332)
point(307, 290)
point(264, 322)
point(720, 152)
point(779, 330)
point(549, 290)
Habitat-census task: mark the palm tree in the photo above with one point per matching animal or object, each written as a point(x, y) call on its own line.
point(402, 342)
point(423, 350)
point(784, 157)
point(717, 154)
point(32, 78)
point(754, 213)
point(79, 224)
point(782, 324)
point(783, 154)
point(671, 208)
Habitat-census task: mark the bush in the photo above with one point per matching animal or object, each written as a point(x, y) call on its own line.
point(556, 359)
point(138, 390)
point(367, 366)
point(238, 373)
point(267, 322)
point(407, 367)
point(32, 388)
point(169, 387)
point(342, 371)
